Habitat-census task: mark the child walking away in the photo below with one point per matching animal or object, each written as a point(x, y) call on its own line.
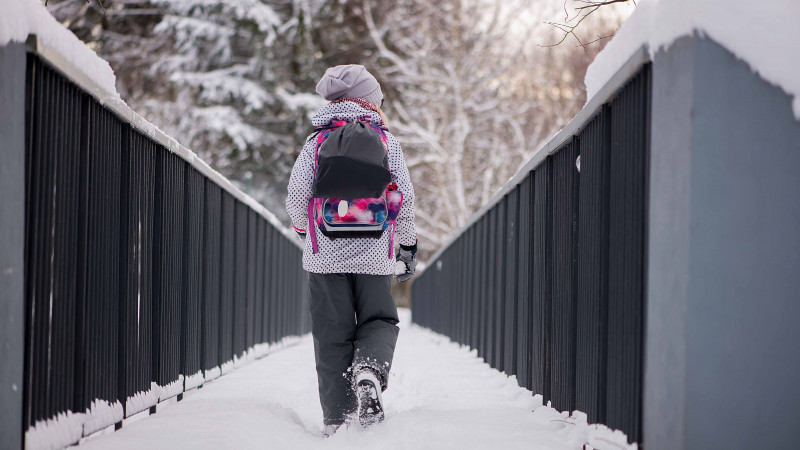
point(350, 198)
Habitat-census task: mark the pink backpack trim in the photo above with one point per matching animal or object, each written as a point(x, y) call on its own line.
point(312, 233)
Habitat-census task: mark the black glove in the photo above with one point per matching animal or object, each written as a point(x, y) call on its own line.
point(406, 262)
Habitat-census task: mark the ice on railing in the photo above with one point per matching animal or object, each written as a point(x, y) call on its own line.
point(764, 35)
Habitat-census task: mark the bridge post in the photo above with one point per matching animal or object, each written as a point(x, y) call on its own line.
point(12, 240)
point(723, 345)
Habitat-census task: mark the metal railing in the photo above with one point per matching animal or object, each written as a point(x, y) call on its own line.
point(547, 281)
point(146, 273)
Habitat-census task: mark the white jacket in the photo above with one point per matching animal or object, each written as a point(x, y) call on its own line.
point(349, 255)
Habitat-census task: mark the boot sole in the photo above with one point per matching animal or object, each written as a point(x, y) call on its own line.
point(370, 409)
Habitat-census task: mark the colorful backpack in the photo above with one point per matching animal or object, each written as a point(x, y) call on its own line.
point(352, 195)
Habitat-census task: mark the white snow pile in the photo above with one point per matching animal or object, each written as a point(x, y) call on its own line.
point(21, 18)
point(171, 390)
point(194, 380)
point(143, 400)
point(47, 434)
point(213, 373)
point(440, 396)
point(102, 414)
point(765, 35)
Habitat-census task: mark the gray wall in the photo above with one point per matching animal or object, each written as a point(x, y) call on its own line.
point(723, 333)
point(12, 240)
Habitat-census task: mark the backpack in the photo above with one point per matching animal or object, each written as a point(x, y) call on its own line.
point(352, 192)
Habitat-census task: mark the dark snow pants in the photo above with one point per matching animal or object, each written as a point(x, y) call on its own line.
point(354, 324)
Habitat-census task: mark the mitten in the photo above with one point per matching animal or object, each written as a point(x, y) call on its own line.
point(406, 262)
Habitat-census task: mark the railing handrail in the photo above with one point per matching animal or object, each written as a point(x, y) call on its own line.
point(120, 108)
point(625, 72)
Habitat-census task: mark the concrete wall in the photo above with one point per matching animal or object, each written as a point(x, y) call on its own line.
point(722, 365)
point(12, 240)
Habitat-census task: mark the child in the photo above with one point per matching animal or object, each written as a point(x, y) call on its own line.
point(354, 319)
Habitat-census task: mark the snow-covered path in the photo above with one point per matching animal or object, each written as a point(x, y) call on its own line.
point(440, 396)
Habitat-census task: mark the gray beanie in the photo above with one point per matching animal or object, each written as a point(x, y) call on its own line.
point(350, 81)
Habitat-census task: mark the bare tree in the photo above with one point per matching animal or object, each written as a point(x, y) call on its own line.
point(474, 97)
point(581, 11)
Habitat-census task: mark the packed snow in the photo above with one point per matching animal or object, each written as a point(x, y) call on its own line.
point(764, 35)
point(441, 395)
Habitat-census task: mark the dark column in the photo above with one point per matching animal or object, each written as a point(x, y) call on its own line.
point(12, 239)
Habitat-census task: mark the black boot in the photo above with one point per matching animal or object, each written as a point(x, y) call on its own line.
point(368, 391)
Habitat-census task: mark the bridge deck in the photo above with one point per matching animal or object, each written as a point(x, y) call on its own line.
point(441, 395)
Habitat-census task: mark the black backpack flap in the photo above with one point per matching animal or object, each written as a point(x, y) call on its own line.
point(352, 163)
point(342, 177)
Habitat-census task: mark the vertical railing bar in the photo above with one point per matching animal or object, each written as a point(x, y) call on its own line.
point(184, 300)
point(82, 272)
point(125, 191)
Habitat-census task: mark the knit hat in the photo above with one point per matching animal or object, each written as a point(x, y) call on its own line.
point(350, 81)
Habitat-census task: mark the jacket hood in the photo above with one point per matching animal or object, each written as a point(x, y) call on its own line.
point(345, 110)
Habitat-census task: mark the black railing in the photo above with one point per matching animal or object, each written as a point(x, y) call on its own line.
point(143, 276)
point(548, 283)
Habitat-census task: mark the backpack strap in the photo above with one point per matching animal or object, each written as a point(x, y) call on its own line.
point(391, 241)
point(320, 134)
point(382, 132)
point(312, 234)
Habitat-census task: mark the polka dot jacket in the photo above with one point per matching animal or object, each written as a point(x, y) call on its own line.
point(349, 255)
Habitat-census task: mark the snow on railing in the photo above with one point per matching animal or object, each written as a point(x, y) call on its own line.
point(147, 273)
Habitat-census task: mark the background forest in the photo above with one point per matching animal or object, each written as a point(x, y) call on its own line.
point(472, 87)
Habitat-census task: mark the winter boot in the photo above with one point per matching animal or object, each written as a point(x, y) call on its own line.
point(368, 391)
